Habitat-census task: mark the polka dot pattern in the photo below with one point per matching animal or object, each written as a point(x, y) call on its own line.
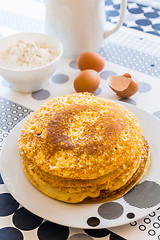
point(151, 232)
point(98, 91)
point(116, 6)
point(116, 237)
point(31, 222)
point(152, 214)
point(10, 114)
point(98, 233)
point(3, 136)
point(144, 195)
point(156, 26)
point(60, 78)
point(157, 114)
point(25, 220)
point(10, 233)
point(144, 87)
point(133, 223)
point(93, 221)
point(156, 225)
point(128, 100)
point(110, 210)
point(154, 33)
point(8, 204)
point(1, 180)
point(105, 74)
point(130, 58)
point(153, 14)
point(137, 10)
point(142, 16)
point(138, 17)
point(147, 220)
point(18, 23)
point(52, 231)
point(40, 95)
point(137, 28)
point(143, 22)
point(80, 236)
point(102, 233)
point(112, 13)
point(73, 64)
point(130, 215)
point(142, 227)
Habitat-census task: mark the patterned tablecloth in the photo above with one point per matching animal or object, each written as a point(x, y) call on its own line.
point(135, 48)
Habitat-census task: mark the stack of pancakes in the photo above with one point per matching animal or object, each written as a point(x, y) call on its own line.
point(83, 148)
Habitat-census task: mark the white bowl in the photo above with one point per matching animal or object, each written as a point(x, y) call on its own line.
point(30, 79)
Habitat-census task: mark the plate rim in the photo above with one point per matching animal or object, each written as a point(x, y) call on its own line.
point(18, 127)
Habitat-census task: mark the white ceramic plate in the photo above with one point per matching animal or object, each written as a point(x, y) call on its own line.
point(141, 201)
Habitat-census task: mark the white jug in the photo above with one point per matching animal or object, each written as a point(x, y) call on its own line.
point(79, 24)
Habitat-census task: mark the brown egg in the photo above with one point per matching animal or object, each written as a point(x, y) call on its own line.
point(87, 81)
point(90, 60)
point(125, 85)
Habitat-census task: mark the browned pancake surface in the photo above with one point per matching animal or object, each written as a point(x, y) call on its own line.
point(81, 144)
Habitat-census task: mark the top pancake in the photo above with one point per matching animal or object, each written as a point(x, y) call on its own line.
point(83, 137)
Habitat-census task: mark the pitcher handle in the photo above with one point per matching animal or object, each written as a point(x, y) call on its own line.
point(120, 21)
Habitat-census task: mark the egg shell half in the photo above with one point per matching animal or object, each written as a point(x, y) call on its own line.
point(124, 86)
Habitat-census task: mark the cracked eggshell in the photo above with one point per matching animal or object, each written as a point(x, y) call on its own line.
point(124, 86)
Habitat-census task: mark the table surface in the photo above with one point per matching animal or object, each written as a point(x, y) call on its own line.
point(135, 49)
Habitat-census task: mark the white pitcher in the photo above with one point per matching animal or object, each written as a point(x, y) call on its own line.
point(79, 24)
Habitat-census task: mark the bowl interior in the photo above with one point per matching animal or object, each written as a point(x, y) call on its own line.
point(30, 79)
point(50, 41)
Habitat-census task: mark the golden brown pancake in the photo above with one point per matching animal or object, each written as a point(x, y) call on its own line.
point(83, 148)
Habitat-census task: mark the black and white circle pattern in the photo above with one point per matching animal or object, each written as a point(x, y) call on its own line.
point(139, 17)
point(23, 220)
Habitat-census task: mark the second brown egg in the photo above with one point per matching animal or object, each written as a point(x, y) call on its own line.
point(87, 81)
